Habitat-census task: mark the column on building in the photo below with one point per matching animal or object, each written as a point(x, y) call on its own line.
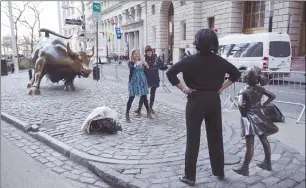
point(136, 44)
point(131, 15)
point(109, 44)
point(105, 34)
point(100, 33)
point(137, 14)
point(115, 35)
point(121, 41)
point(143, 29)
point(131, 41)
point(113, 31)
point(125, 17)
point(126, 44)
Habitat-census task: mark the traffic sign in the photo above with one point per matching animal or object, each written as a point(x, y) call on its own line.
point(73, 22)
point(96, 11)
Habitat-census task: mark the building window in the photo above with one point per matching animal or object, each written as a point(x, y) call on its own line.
point(183, 3)
point(153, 9)
point(253, 49)
point(211, 22)
point(183, 30)
point(72, 11)
point(254, 14)
point(154, 33)
point(65, 32)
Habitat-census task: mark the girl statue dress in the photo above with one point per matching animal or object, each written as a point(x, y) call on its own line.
point(253, 121)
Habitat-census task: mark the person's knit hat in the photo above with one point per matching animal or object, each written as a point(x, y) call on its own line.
point(148, 48)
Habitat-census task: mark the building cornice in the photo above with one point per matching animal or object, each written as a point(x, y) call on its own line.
point(132, 25)
point(112, 8)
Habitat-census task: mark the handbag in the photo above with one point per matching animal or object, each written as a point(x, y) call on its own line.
point(273, 113)
point(163, 68)
point(106, 125)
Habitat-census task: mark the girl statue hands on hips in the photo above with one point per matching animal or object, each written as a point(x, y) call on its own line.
point(253, 121)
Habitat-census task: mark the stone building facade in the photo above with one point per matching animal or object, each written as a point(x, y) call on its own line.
point(170, 26)
point(185, 18)
point(68, 30)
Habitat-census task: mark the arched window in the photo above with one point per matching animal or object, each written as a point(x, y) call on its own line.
point(254, 15)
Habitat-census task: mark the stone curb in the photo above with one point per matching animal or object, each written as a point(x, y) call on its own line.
point(25, 127)
point(103, 171)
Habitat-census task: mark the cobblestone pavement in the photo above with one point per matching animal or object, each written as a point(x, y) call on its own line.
point(151, 151)
point(51, 159)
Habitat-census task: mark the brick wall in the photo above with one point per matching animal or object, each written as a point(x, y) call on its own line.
point(298, 64)
point(191, 14)
point(281, 19)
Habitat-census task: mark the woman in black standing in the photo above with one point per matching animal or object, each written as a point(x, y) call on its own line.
point(204, 75)
point(152, 76)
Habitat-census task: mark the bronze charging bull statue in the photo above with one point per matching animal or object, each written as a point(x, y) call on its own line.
point(56, 60)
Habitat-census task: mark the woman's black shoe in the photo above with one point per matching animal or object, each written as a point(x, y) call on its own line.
point(187, 181)
point(220, 177)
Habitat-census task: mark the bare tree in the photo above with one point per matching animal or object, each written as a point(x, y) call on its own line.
point(37, 11)
point(26, 43)
point(31, 26)
point(17, 13)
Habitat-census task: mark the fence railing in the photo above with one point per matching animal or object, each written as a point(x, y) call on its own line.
point(289, 87)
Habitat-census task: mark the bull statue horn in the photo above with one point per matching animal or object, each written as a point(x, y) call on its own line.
point(70, 53)
point(92, 52)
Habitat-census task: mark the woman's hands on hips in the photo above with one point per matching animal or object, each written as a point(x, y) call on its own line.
point(187, 90)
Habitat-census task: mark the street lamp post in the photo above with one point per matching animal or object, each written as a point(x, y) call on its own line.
point(82, 13)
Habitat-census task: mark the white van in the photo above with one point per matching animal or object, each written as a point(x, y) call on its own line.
point(269, 51)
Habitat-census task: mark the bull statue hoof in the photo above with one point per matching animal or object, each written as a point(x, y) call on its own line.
point(34, 91)
point(69, 88)
point(29, 85)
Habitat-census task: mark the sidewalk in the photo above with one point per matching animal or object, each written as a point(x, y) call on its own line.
point(149, 153)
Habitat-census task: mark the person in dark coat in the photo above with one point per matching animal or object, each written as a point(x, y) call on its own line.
point(253, 121)
point(152, 76)
point(203, 74)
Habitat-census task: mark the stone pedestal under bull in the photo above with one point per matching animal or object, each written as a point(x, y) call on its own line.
point(56, 60)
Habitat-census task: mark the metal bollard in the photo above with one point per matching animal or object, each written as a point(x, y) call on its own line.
point(96, 73)
point(30, 74)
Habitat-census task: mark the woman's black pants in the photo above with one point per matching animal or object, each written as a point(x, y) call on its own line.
point(204, 105)
point(152, 98)
point(130, 101)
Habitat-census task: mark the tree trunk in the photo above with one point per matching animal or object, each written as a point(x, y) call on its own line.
point(38, 28)
point(17, 47)
point(32, 41)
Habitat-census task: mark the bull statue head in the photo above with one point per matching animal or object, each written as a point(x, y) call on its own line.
point(80, 61)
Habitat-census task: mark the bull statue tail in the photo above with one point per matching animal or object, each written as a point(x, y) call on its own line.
point(47, 32)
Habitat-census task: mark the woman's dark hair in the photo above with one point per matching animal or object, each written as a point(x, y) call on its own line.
point(206, 40)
